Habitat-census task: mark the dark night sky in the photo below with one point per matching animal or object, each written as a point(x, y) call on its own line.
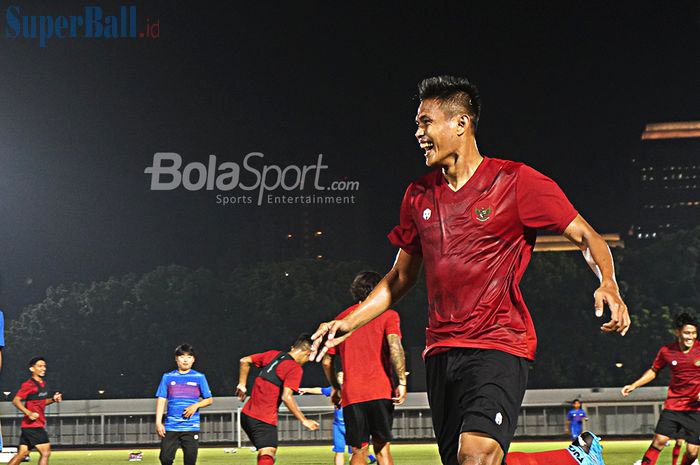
point(566, 87)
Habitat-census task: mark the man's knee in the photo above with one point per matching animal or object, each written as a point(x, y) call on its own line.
point(478, 448)
point(660, 441)
point(381, 448)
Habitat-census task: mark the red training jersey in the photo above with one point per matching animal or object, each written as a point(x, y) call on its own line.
point(34, 393)
point(476, 244)
point(366, 359)
point(265, 397)
point(685, 376)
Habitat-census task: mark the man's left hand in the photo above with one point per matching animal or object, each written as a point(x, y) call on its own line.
point(619, 317)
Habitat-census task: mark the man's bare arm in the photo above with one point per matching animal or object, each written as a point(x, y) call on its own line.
point(290, 403)
point(244, 369)
point(646, 378)
point(398, 361)
point(395, 284)
point(597, 254)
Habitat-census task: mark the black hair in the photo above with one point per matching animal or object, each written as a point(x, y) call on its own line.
point(303, 341)
point(456, 93)
point(576, 400)
point(35, 360)
point(685, 319)
point(184, 349)
point(363, 284)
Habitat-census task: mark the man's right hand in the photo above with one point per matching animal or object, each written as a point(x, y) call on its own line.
point(241, 392)
point(328, 335)
point(310, 424)
point(627, 390)
point(336, 396)
point(33, 415)
point(160, 429)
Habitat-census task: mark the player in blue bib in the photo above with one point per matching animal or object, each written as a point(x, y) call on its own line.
point(181, 390)
point(575, 418)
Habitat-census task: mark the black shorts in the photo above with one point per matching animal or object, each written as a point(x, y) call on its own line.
point(678, 424)
point(261, 434)
point(363, 420)
point(474, 390)
point(30, 437)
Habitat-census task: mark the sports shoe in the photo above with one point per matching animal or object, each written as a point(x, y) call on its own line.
point(589, 444)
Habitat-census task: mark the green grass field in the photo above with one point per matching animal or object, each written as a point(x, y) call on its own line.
point(615, 453)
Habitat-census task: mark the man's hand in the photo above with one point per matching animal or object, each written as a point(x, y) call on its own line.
point(400, 394)
point(160, 429)
point(328, 335)
point(625, 391)
point(310, 424)
point(189, 411)
point(698, 396)
point(57, 397)
point(241, 392)
point(302, 391)
point(619, 317)
point(33, 416)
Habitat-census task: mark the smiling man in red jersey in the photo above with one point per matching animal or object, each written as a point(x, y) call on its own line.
point(472, 222)
point(680, 418)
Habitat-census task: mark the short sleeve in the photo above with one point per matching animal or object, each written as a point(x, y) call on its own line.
point(204, 390)
point(258, 359)
point(541, 202)
point(405, 235)
point(291, 374)
point(25, 390)
point(326, 391)
point(660, 360)
point(392, 324)
point(570, 415)
point(162, 388)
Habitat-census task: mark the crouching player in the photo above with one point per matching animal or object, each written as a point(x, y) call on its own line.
point(278, 380)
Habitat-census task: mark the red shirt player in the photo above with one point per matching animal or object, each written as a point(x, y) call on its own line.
point(472, 223)
point(35, 395)
point(368, 395)
point(278, 380)
point(680, 418)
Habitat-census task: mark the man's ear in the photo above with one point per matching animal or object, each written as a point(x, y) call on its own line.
point(463, 123)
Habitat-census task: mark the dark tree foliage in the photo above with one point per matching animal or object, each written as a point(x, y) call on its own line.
point(119, 334)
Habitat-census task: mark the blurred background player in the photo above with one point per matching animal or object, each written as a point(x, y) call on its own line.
point(338, 422)
point(575, 418)
point(367, 394)
point(35, 394)
point(278, 380)
point(680, 417)
point(181, 390)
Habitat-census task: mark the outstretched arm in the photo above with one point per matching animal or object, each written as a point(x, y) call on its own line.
point(312, 390)
point(397, 282)
point(244, 369)
point(398, 361)
point(288, 399)
point(646, 378)
point(597, 254)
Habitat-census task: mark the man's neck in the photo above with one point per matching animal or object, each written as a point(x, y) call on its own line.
point(462, 166)
point(184, 372)
point(38, 378)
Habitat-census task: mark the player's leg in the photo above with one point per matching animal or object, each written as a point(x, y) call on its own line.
point(691, 426)
point(339, 443)
point(263, 436)
point(380, 414)
point(168, 447)
point(667, 427)
point(44, 453)
point(22, 452)
point(357, 432)
point(676, 451)
point(491, 386)
point(189, 441)
point(447, 419)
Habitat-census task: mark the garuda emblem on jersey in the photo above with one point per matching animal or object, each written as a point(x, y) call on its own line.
point(483, 213)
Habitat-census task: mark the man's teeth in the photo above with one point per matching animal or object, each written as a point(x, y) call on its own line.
point(426, 145)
